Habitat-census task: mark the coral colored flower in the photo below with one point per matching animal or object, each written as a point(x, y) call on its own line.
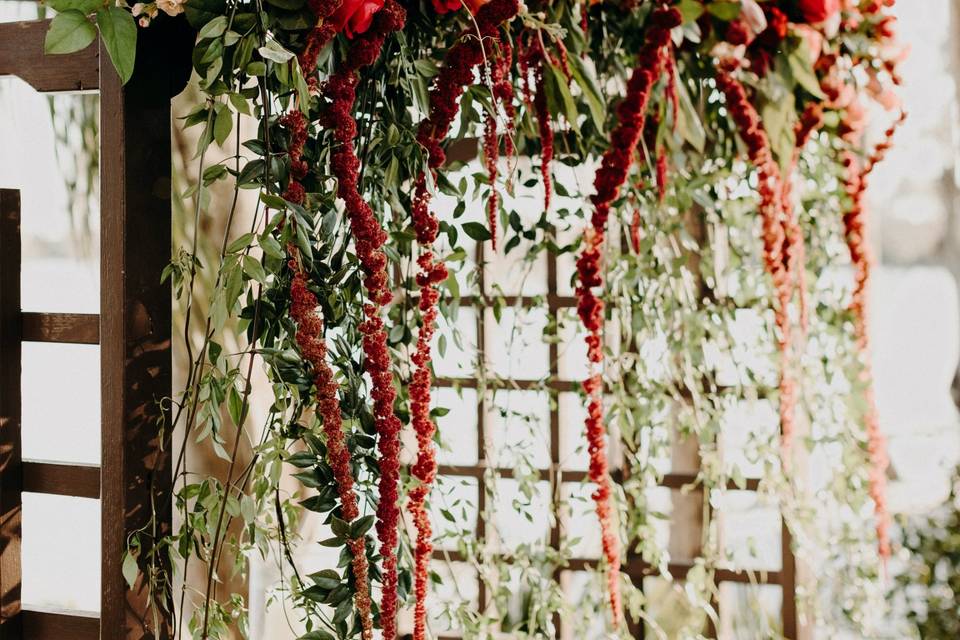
point(355, 16)
point(817, 11)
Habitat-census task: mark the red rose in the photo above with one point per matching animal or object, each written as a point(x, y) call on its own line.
point(354, 16)
point(817, 11)
point(444, 6)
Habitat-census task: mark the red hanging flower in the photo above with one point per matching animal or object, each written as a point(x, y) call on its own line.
point(309, 339)
point(855, 225)
point(775, 239)
point(610, 177)
point(369, 238)
point(355, 16)
point(456, 74)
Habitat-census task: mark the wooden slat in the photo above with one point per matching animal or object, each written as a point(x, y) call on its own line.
point(75, 328)
point(21, 55)
point(135, 324)
point(80, 481)
point(44, 625)
point(10, 474)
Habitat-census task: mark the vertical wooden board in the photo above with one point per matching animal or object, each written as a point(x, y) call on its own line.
point(135, 325)
point(10, 463)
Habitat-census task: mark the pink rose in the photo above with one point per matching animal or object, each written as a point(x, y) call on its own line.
point(817, 11)
point(355, 16)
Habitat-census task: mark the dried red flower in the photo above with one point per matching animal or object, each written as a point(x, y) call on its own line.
point(615, 165)
point(775, 238)
point(309, 339)
point(855, 225)
point(369, 238)
point(455, 75)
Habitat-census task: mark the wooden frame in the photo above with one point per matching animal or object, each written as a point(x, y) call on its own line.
point(133, 480)
point(634, 567)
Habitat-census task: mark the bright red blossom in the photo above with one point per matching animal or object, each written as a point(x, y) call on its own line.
point(817, 11)
point(355, 16)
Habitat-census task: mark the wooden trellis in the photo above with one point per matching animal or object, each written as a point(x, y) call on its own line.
point(133, 481)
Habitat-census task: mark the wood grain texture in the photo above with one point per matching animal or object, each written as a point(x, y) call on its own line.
point(79, 481)
point(21, 55)
point(135, 322)
point(43, 625)
point(10, 398)
point(74, 328)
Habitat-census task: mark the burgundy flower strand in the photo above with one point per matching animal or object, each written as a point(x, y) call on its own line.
point(502, 95)
point(774, 238)
point(609, 178)
point(369, 238)
point(309, 338)
point(455, 75)
point(534, 60)
point(855, 225)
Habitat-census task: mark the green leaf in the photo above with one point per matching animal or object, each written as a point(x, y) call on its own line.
point(200, 12)
point(275, 52)
point(690, 9)
point(477, 231)
point(240, 243)
point(214, 28)
point(591, 91)
point(223, 124)
point(69, 31)
point(724, 10)
point(317, 635)
point(802, 70)
point(86, 7)
point(130, 569)
point(119, 33)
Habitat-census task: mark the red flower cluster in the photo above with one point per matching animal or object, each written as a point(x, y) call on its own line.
point(502, 96)
point(449, 85)
point(296, 125)
point(446, 6)
point(776, 244)
point(309, 338)
point(318, 37)
point(817, 11)
point(610, 177)
point(532, 60)
point(855, 225)
point(355, 16)
point(369, 238)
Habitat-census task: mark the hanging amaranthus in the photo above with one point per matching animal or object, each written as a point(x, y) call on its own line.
point(456, 74)
point(502, 91)
point(369, 238)
point(309, 338)
point(855, 221)
point(770, 190)
point(610, 177)
point(534, 61)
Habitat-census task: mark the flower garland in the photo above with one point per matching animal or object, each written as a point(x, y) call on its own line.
point(610, 177)
point(775, 238)
point(855, 221)
point(369, 238)
point(533, 58)
point(502, 91)
point(455, 75)
point(309, 338)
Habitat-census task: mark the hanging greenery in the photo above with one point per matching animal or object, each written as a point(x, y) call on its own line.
point(729, 150)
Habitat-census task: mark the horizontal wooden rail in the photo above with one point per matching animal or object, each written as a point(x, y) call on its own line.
point(79, 481)
point(638, 569)
point(75, 328)
point(49, 625)
point(21, 55)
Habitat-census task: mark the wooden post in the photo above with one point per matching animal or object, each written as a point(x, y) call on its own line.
point(10, 463)
point(135, 328)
